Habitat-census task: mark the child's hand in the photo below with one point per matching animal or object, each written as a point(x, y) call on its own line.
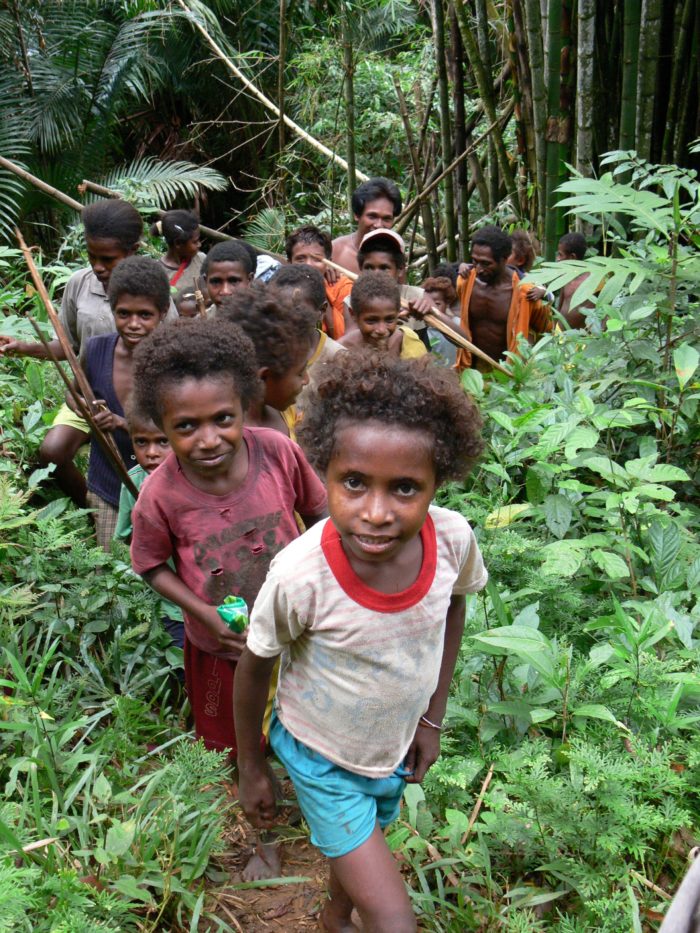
point(464, 269)
point(233, 642)
point(423, 752)
point(10, 346)
point(105, 419)
point(536, 293)
point(256, 795)
point(419, 307)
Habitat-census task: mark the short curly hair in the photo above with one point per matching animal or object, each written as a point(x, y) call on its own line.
point(442, 284)
point(278, 326)
point(230, 251)
point(415, 393)
point(494, 239)
point(371, 285)
point(192, 348)
point(113, 219)
point(140, 275)
point(309, 235)
point(305, 278)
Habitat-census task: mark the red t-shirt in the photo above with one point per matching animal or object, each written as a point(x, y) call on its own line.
point(223, 545)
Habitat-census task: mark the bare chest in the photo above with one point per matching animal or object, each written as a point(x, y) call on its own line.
point(490, 305)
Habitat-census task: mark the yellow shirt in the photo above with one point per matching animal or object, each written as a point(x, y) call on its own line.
point(411, 345)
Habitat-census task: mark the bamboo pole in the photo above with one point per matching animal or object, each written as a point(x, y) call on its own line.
point(435, 322)
point(41, 185)
point(265, 101)
point(105, 440)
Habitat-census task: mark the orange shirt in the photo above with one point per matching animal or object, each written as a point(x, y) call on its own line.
point(524, 316)
point(336, 295)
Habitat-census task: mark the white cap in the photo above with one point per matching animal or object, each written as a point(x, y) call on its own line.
point(385, 233)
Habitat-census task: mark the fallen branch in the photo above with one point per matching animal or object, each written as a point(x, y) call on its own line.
point(41, 185)
point(477, 806)
point(650, 884)
point(265, 101)
point(85, 398)
point(436, 323)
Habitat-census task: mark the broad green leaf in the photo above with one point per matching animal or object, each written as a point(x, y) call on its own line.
point(667, 473)
point(665, 541)
point(413, 795)
point(119, 837)
point(557, 515)
point(457, 820)
point(655, 491)
point(529, 644)
point(597, 711)
point(534, 486)
point(102, 789)
point(608, 469)
point(506, 515)
point(501, 418)
point(472, 382)
point(611, 564)
point(561, 559)
point(128, 885)
point(685, 362)
point(581, 438)
point(541, 715)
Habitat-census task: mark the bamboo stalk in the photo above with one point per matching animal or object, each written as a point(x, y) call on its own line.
point(105, 440)
point(41, 185)
point(437, 18)
point(265, 101)
point(435, 323)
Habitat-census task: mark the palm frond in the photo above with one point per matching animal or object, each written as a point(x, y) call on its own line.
point(150, 182)
point(266, 230)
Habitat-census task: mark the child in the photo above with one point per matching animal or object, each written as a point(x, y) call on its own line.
point(367, 611)
point(310, 246)
point(139, 295)
point(183, 260)
point(151, 447)
point(443, 294)
point(228, 267)
point(305, 284)
point(376, 302)
point(283, 332)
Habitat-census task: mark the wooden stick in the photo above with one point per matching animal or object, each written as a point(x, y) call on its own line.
point(105, 439)
point(266, 102)
point(41, 185)
point(477, 806)
point(437, 324)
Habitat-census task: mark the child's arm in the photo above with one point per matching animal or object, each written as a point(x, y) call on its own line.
point(165, 581)
point(250, 689)
point(425, 748)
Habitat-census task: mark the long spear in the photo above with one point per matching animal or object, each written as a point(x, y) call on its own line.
point(438, 324)
point(105, 440)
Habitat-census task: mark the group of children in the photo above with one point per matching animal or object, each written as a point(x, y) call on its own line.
point(355, 581)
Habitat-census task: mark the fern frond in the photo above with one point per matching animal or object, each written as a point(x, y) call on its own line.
point(266, 230)
point(150, 181)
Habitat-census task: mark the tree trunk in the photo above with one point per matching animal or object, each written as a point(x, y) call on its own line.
point(437, 16)
point(683, 131)
point(630, 65)
point(649, 35)
point(523, 111)
point(678, 72)
point(457, 56)
point(553, 129)
point(482, 38)
point(584, 86)
point(349, 99)
point(533, 22)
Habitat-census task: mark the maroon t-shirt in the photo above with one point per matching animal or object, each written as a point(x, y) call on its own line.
point(223, 545)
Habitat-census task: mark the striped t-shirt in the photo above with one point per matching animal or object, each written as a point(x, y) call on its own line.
point(358, 666)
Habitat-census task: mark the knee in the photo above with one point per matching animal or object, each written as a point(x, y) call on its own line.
point(57, 448)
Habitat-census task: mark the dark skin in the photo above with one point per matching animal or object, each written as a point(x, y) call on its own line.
point(574, 318)
point(280, 391)
point(490, 301)
point(375, 215)
point(380, 482)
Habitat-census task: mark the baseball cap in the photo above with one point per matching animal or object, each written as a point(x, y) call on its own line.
point(374, 238)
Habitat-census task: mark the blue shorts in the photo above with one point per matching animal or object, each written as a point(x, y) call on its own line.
point(340, 807)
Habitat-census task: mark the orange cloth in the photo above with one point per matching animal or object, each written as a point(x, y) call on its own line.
point(336, 295)
point(524, 316)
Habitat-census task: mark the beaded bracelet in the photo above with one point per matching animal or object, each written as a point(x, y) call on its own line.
point(424, 721)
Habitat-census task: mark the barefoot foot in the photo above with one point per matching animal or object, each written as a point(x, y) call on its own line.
point(264, 863)
point(332, 922)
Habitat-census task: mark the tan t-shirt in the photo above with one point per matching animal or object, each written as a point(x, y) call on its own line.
point(359, 667)
point(326, 350)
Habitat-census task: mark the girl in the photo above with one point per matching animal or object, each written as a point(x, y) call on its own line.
point(367, 611)
point(183, 260)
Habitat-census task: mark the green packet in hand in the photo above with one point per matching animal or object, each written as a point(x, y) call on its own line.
point(234, 612)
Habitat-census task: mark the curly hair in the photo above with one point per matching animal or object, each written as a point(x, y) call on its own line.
point(442, 284)
point(278, 326)
point(372, 190)
point(305, 278)
point(308, 234)
point(192, 348)
point(448, 270)
point(372, 285)
point(495, 239)
point(416, 393)
point(525, 248)
point(574, 243)
point(230, 251)
point(113, 220)
point(139, 275)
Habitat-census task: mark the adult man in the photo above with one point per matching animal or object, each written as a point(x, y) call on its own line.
point(375, 204)
point(572, 246)
point(494, 304)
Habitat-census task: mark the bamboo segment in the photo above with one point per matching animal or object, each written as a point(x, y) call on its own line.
point(436, 323)
point(105, 439)
point(41, 185)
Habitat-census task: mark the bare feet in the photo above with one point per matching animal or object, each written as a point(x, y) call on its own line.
point(264, 863)
point(331, 920)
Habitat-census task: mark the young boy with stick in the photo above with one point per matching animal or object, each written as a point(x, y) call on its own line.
point(366, 611)
point(376, 305)
point(310, 246)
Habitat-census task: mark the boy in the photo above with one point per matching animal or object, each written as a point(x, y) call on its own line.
point(310, 246)
point(228, 267)
point(139, 295)
point(573, 246)
point(375, 204)
point(442, 293)
point(367, 611)
point(376, 303)
point(303, 283)
point(151, 447)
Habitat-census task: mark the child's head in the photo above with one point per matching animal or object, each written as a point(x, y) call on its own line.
point(310, 246)
point(301, 282)
point(375, 204)
point(150, 444)
point(382, 251)
point(375, 301)
point(228, 266)
point(441, 292)
point(283, 332)
point(449, 270)
point(113, 231)
point(394, 428)
point(139, 295)
point(525, 248)
point(571, 246)
point(180, 230)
